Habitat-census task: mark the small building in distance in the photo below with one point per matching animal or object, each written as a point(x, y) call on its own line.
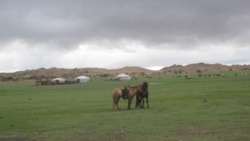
point(59, 80)
point(122, 76)
point(82, 79)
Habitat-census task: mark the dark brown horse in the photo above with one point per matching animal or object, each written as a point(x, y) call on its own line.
point(140, 97)
point(131, 91)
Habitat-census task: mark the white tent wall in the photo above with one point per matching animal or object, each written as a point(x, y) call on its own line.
point(82, 79)
point(122, 76)
point(59, 80)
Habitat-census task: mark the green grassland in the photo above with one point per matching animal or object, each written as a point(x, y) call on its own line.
point(198, 108)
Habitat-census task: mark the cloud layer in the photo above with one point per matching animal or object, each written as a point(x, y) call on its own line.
point(51, 33)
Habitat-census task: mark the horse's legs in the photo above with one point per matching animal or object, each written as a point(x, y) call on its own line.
point(141, 102)
point(117, 101)
point(129, 102)
point(142, 105)
point(114, 101)
point(138, 101)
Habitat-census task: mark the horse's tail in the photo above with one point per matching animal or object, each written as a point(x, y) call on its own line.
point(116, 96)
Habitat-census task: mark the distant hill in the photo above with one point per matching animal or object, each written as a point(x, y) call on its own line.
point(43, 73)
point(202, 67)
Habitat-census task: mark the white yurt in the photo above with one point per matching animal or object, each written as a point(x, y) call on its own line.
point(122, 76)
point(82, 79)
point(59, 80)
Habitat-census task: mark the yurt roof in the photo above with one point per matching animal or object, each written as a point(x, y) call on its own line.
point(82, 77)
point(122, 75)
point(59, 78)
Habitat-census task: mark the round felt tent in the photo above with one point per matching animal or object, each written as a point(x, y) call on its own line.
point(59, 80)
point(122, 76)
point(82, 79)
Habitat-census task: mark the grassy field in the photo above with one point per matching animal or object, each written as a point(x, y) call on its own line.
point(199, 108)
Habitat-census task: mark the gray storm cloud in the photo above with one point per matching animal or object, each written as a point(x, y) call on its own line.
point(117, 33)
point(66, 23)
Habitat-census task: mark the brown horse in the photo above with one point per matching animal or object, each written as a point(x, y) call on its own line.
point(140, 99)
point(131, 91)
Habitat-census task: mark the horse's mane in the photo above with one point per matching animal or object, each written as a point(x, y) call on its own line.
point(143, 85)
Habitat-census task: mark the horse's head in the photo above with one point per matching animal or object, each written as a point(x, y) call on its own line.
point(145, 86)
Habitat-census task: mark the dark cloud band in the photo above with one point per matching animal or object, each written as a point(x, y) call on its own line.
point(70, 22)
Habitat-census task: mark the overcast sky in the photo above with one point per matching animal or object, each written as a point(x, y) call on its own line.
point(116, 33)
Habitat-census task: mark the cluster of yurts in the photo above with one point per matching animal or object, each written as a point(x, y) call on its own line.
point(79, 79)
